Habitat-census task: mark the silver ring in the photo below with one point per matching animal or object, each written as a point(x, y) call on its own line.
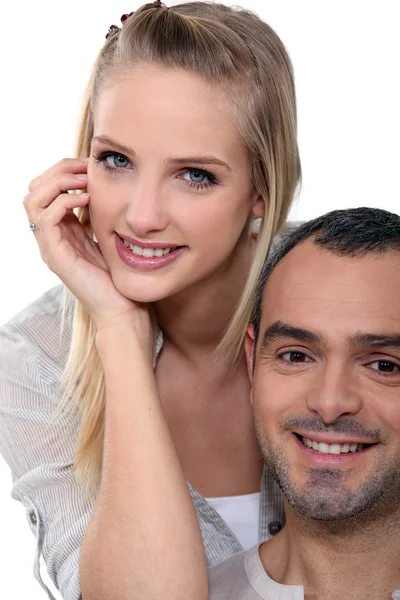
point(33, 227)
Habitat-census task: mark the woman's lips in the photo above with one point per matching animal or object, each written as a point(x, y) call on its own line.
point(144, 263)
point(146, 244)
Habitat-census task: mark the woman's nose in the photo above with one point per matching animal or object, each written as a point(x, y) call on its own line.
point(146, 211)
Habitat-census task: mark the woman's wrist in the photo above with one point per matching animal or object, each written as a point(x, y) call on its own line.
point(124, 339)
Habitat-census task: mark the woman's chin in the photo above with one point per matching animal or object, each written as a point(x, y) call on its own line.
point(140, 293)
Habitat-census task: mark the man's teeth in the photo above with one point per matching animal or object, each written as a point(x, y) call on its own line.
point(332, 448)
point(147, 252)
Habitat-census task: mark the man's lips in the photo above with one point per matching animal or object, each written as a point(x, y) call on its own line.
point(334, 451)
point(334, 438)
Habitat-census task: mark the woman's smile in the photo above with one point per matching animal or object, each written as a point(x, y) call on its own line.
point(146, 258)
point(170, 183)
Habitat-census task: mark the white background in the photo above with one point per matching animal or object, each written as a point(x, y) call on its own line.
point(346, 55)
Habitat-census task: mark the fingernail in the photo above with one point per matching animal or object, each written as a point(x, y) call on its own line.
point(84, 195)
point(84, 160)
point(84, 177)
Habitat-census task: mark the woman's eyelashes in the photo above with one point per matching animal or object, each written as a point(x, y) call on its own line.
point(199, 178)
point(193, 177)
point(112, 161)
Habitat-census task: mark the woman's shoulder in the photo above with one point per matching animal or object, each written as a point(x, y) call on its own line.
point(31, 341)
point(38, 449)
point(43, 307)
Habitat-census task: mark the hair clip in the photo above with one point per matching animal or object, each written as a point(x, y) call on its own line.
point(125, 17)
point(114, 28)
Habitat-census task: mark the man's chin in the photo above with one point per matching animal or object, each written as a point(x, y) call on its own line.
point(328, 495)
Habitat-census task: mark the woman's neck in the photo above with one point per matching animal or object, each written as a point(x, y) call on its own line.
point(194, 320)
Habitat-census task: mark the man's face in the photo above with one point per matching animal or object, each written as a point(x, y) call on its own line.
point(326, 387)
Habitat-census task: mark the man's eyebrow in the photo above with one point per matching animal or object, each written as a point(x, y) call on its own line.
point(372, 340)
point(279, 330)
point(199, 160)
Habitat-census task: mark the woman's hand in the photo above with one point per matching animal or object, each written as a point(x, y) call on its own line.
point(71, 254)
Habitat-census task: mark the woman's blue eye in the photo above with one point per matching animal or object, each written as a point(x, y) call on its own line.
point(197, 176)
point(116, 161)
point(111, 161)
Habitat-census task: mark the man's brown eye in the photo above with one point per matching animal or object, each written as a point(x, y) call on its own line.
point(294, 357)
point(385, 366)
point(297, 356)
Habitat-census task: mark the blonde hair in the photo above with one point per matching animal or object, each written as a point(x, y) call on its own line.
point(233, 49)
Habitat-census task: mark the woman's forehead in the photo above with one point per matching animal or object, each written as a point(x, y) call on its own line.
point(172, 107)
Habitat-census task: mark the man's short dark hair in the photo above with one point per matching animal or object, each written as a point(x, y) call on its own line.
point(350, 232)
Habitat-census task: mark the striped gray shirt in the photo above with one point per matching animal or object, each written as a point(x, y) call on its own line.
point(40, 452)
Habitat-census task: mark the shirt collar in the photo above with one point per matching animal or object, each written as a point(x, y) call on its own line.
point(267, 588)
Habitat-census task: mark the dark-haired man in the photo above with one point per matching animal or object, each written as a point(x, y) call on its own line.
point(324, 356)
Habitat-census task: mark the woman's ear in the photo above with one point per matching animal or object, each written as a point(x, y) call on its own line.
point(258, 207)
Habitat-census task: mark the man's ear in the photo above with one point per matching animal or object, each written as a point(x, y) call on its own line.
point(249, 348)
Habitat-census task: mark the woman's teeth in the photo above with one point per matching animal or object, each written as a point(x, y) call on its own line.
point(147, 252)
point(332, 448)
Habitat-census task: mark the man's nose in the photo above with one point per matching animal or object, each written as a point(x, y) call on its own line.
point(336, 393)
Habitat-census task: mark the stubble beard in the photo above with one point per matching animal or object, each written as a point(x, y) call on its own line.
point(326, 498)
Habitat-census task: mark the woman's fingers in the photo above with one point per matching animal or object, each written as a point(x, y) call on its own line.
point(44, 195)
point(67, 248)
point(58, 209)
point(48, 203)
point(49, 222)
point(66, 165)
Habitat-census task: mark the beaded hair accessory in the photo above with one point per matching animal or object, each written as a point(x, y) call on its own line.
point(114, 28)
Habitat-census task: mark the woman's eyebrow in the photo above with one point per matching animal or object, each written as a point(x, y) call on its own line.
point(107, 141)
point(200, 160)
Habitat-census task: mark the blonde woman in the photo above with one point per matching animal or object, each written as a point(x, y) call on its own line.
point(188, 135)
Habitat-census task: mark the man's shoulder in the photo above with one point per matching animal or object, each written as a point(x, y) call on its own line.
point(228, 580)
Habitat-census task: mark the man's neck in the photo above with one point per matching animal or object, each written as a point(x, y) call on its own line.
point(340, 561)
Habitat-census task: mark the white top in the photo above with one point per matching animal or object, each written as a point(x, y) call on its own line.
point(243, 577)
point(241, 513)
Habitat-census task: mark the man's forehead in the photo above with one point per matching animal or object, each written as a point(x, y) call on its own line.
point(313, 284)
